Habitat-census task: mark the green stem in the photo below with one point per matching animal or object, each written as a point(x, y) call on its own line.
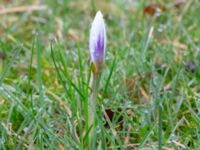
point(160, 126)
point(93, 6)
point(92, 104)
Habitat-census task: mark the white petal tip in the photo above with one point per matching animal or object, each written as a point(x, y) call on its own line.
point(99, 14)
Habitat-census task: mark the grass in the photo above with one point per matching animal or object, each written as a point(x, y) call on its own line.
point(149, 84)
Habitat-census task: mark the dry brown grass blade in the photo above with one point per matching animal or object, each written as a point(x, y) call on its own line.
point(175, 44)
point(127, 138)
point(11, 132)
point(108, 120)
point(19, 9)
point(60, 101)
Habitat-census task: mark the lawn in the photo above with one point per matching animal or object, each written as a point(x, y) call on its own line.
point(149, 88)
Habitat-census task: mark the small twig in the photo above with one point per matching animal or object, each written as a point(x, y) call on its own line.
point(19, 9)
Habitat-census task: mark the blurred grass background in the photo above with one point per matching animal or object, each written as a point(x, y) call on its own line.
point(149, 87)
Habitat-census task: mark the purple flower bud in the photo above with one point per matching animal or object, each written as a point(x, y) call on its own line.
point(97, 42)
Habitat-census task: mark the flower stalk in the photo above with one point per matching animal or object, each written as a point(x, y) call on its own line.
point(97, 42)
point(92, 101)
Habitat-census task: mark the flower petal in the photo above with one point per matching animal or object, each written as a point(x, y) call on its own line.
point(97, 41)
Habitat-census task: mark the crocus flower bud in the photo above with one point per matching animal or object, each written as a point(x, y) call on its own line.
point(97, 43)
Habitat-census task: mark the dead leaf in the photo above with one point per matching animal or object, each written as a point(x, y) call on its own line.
point(143, 93)
point(179, 45)
point(131, 85)
point(127, 138)
point(73, 35)
point(1, 32)
point(179, 48)
point(132, 146)
point(19, 9)
point(152, 9)
point(110, 114)
point(61, 147)
point(190, 66)
point(179, 3)
point(7, 1)
point(2, 56)
point(167, 87)
point(135, 93)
